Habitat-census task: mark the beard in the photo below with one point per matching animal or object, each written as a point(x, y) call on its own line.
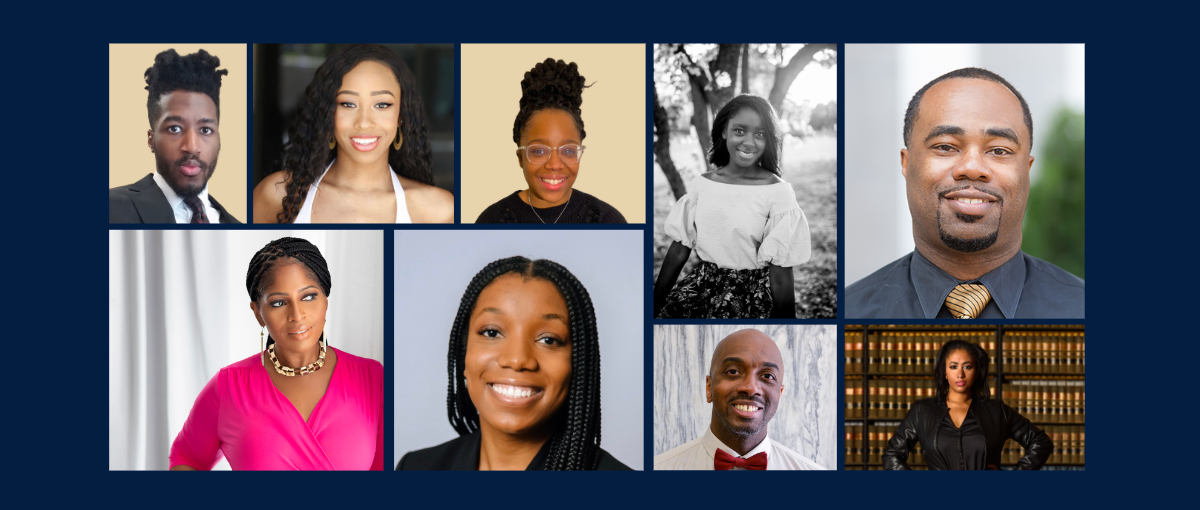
point(968, 245)
point(175, 178)
point(748, 429)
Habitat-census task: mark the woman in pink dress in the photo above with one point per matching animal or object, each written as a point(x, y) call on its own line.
point(313, 408)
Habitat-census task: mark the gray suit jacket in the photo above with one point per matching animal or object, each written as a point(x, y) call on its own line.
point(144, 202)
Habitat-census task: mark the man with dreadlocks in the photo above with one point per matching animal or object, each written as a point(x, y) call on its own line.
point(744, 384)
point(184, 111)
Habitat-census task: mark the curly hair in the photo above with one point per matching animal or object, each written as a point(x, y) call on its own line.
point(261, 275)
point(979, 388)
point(575, 445)
point(306, 155)
point(914, 104)
point(719, 154)
point(192, 73)
point(551, 85)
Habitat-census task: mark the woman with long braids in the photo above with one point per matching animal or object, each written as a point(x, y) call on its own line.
point(744, 223)
point(524, 375)
point(962, 428)
point(357, 151)
point(549, 135)
point(299, 404)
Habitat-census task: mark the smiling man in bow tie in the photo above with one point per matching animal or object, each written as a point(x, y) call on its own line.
point(744, 386)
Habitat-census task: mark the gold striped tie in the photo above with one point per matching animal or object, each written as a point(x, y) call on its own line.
point(967, 300)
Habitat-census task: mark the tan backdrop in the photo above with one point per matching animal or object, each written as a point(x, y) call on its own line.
point(614, 114)
point(129, 159)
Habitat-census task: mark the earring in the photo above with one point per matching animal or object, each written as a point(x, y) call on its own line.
point(332, 143)
point(261, 347)
point(325, 333)
point(399, 139)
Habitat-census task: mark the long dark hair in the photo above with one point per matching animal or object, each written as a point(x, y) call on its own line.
point(719, 154)
point(307, 152)
point(979, 388)
point(576, 443)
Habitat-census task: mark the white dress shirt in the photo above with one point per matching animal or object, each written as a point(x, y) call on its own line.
point(698, 454)
point(183, 213)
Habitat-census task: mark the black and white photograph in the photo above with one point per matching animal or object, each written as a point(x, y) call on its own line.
point(745, 181)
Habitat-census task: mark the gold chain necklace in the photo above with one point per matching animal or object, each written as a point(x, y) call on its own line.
point(291, 372)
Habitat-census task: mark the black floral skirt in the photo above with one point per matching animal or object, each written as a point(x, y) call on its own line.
point(711, 292)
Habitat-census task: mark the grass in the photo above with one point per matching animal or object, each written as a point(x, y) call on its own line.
point(811, 167)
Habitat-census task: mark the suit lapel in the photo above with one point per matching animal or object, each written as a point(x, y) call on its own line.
point(225, 216)
point(150, 202)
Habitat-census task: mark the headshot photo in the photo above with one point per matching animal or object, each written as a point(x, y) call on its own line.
point(520, 341)
point(543, 123)
point(163, 166)
point(353, 133)
point(964, 181)
point(745, 181)
point(745, 397)
point(229, 350)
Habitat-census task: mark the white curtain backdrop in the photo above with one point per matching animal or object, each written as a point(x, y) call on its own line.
point(178, 312)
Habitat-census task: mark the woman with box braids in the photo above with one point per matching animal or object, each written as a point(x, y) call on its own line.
point(549, 135)
point(258, 416)
point(523, 362)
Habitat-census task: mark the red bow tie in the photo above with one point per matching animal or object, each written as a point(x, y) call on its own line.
point(724, 461)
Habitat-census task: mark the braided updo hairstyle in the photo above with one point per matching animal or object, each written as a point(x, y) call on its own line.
point(261, 273)
point(576, 444)
point(306, 155)
point(551, 84)
point(192, 73)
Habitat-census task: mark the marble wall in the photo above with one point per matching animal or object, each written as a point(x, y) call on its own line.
point(806, 420)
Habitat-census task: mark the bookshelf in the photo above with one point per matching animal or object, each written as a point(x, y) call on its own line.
point(1037, 370)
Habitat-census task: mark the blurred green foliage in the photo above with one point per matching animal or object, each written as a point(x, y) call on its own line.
point(1054, 218)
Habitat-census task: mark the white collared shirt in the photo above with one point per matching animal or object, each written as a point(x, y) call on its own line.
point(183, 213)
point(698, 454)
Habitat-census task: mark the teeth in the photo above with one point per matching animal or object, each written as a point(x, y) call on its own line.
point(512, 391)
point(746, 153)
point(552, 181)
point(746, 408)
point(970, 200)
point(365, 141)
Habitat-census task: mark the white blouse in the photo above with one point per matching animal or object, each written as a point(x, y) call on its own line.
point(741, 227)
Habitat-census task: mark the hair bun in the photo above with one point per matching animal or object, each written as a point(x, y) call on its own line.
point(551, 84)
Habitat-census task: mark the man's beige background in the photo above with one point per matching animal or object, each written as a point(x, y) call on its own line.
point(614, 114)
point(130, 159)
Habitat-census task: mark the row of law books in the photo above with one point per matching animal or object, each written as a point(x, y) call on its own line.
point(1046, 400)
point(1043, 352)
point(908, 352)
point(887, 399)
point(1068, 447)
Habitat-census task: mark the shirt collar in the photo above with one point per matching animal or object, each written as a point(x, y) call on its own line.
point(172, 198)
point(711, 444)
point(1004, 283)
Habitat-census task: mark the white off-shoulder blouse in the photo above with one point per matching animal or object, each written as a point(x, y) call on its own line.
point(741, 227)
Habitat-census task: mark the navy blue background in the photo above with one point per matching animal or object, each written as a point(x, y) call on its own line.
point(1139, 89)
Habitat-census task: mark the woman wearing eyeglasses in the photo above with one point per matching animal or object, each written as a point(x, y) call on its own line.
point(549, 135)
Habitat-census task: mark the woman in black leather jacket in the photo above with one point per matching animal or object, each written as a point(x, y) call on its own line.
point(961, 428)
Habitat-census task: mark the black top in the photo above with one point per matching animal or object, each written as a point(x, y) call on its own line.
point(462, 454)
point(581, 208)
point(963, 447)
point(144, 202)
point(1025, 287)
point(926, 421)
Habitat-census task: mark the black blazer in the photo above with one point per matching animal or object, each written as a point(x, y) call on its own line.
point(462, 454)
point(998, 422)
point(144, 202)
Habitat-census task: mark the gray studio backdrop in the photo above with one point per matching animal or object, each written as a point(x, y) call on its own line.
point(806, 419)
point(433, 268)
point(880, 81)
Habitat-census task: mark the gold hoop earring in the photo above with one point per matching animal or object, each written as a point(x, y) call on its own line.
point(261, 347)
point(399, 139)
point(332, 143)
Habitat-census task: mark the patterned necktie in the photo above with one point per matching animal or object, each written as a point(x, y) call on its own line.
point(724, 461)
point(967, 300)
point(193, 203)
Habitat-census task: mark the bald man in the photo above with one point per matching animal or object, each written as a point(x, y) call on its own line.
point(744, 385)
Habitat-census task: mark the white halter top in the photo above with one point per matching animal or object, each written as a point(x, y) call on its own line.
point(305, 214)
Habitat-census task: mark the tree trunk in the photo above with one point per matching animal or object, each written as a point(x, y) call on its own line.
point(662, 149)
point(699, 80)
point(726, 62)
point(785, 75)
point(745, 72)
